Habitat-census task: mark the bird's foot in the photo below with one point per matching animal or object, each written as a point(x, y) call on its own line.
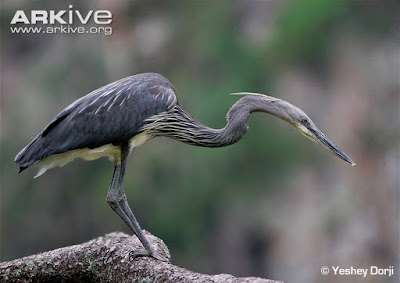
point(156, 255)
point(142, 252)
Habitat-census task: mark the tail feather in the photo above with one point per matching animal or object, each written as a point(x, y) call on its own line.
point(29, 155)
point(21, 168)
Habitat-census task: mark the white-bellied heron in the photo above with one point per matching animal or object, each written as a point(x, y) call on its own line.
point(115, 118)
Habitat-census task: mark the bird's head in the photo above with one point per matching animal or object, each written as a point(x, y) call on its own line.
point(297, 118)
point(307, 127)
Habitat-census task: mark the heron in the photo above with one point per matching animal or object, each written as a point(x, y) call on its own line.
point(112, 120)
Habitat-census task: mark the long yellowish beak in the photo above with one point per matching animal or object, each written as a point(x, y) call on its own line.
point(314, 134)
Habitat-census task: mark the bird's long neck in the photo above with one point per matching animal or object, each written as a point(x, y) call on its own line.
point(179, 125)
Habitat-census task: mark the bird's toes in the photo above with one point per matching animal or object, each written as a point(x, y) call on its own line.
point(156, 255)
point(142, 252)
point(138, 253)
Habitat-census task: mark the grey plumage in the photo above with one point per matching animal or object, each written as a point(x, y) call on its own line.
point(109, 115)
point(113, 119)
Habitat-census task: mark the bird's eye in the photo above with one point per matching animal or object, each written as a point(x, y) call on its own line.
point(304, 120)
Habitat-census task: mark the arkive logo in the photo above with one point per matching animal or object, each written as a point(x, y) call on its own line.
point(62, 21)
point(100, 17)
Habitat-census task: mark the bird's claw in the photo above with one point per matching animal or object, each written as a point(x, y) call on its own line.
point(141, 253)
point(156, 255)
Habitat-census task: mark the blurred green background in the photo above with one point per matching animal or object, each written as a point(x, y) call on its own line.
point(272, 205)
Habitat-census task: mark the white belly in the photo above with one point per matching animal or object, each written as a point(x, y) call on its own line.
point(111, 151)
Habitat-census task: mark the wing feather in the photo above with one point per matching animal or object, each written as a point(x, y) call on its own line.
point(109, 115)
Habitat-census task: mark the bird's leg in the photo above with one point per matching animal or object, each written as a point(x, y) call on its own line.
point(117, 200)
point(112, 196)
